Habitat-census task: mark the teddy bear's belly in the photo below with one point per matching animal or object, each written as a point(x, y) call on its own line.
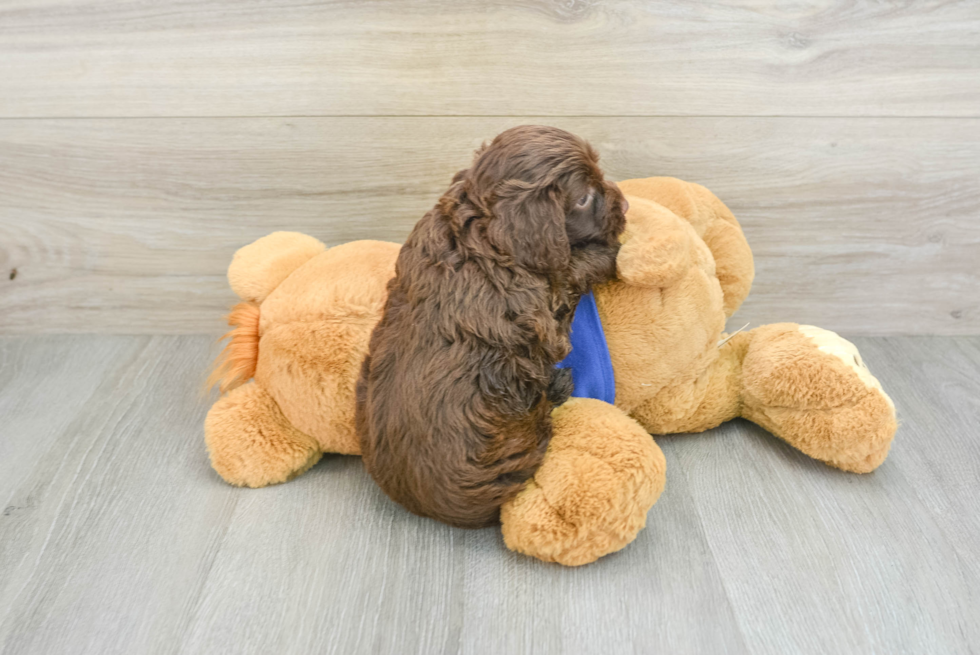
point(660, 337)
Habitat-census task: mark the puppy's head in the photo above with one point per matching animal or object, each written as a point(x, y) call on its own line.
point(533, 194)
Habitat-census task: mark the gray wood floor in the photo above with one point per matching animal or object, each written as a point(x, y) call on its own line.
point(116, 537)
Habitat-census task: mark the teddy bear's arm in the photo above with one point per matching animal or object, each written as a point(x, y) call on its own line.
point(712, 221)
point(590, 497)
point(658, 247)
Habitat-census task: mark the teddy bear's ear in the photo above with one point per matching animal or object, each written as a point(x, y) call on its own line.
point(259, 267)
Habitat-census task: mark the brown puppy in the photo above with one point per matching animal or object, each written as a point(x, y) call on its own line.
point(455, 396)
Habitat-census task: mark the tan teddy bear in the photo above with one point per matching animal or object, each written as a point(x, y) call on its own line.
point(308, 311)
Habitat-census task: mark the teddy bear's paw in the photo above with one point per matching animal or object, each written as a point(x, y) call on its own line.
point(590, 497)
point(811, 387)
point(837, 346)
point(805, 367)
point(250, 442)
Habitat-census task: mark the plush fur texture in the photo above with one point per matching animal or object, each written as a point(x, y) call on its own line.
point(589, 494)
point(251, 442)
point(684, 266)
point(258, 268)
point(455, 398)
point(312, 329)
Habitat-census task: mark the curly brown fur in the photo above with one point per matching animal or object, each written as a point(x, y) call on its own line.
point(455, 396)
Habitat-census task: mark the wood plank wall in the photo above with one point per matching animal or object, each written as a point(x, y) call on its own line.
point(142, 143)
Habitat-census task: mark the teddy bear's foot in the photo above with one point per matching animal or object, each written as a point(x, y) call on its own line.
point(251, 443)
point(811, 388)
point(590, 497)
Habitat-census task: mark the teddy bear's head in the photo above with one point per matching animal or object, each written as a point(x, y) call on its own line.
point(684, 267)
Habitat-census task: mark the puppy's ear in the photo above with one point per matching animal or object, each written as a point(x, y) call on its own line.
point(458, 206)
point(528, 224)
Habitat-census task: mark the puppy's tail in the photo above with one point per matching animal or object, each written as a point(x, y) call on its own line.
point(236, 363)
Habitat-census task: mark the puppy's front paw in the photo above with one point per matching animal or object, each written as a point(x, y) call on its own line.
point(561, 386)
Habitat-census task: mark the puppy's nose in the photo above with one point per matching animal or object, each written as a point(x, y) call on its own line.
point(626, 205)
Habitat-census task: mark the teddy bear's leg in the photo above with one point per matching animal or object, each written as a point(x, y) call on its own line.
point(590, 497)
point(700, 401)
point(811, 388)
point(250, 442)
point(311, 371)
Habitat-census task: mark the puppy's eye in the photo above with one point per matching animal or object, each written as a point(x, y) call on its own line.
point(584, 201)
